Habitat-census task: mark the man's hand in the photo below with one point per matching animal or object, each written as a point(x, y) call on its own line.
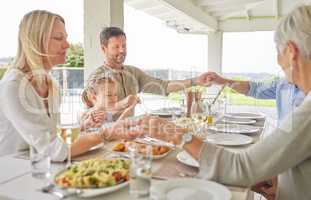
point(209, 78)
point(132, 100)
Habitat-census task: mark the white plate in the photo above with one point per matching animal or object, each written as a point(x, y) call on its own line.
point(187, 159)
point(162, 114)
point(99, 191)
point(189, 188)
point(154, 142)
point(234, 128)
point(156, 157)
point(238, 121)
point(167, 112)
point(227, 139)
point(93, 192)
point(245, 115)
point(117, 154)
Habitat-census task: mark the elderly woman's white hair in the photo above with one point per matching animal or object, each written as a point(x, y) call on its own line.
point(295, 27)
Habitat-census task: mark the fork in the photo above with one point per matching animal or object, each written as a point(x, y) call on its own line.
point(50, 188)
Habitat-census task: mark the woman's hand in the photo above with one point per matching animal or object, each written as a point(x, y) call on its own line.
point(162, 129)
point(123, 129)
point(266, 188)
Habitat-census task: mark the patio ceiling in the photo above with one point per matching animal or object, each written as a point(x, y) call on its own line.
point(204, 16)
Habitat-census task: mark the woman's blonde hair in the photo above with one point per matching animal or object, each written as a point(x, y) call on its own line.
point(34, 31)
point(295, 27)
point(92, 86)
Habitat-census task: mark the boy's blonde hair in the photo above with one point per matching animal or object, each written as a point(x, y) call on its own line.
point(92, 85)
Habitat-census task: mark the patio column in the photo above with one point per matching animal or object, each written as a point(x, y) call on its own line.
point(215, 52)
point(98, 14)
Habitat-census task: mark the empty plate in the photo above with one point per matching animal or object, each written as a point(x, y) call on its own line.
point(167, 112)
point(189, 188)
point(238, 121)
point(245, 115)
point(235, 128)
point(226, 139)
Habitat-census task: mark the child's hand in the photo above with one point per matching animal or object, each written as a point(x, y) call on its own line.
point(93, 119)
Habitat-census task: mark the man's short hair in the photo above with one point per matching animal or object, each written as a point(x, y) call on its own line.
point(109, 32)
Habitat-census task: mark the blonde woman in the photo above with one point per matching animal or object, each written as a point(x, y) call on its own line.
point(285, 153)
point(101, 100)
point(30, 106)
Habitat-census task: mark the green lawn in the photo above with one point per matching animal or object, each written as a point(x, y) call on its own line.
point(2, 71)
point(239, 99)
point(234, 98)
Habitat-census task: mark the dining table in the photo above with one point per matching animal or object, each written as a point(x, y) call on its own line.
point(16, 181)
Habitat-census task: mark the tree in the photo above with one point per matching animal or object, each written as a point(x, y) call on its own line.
point(75, 56)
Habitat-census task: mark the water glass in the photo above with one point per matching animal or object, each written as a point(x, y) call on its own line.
point(140, 172)
point(40, 157)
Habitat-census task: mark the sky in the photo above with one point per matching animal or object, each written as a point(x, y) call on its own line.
point(151, 44)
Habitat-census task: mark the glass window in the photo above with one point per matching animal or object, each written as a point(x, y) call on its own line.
point(249, 54)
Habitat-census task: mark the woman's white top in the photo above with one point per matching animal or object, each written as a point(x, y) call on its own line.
point(286, 153)
point(23, 117)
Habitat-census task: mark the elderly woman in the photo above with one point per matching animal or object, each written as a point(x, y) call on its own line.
point(29, 102)
point(286, 152)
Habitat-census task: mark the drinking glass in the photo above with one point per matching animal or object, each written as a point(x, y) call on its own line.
point(68, 132)
point(40, 156)
point(68, 122)
point(140, 172)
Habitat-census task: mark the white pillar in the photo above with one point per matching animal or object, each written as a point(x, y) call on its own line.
point(215, 52)
point(98, 14)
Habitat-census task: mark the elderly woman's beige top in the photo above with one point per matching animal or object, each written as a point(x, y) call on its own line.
point(132, 80)
point(23, 117)
point(286, 152)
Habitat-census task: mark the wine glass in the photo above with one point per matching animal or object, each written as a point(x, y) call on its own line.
point(68, 126)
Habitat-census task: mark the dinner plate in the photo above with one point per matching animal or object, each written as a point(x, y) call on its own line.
point(154, 141)
point(189, 188)
point(235, 128)
point(226, 139)
point(187, 159)
point(245, 115)
point(99, 191)
point(167, 112)
point(238, 121)
point(154, 157)
point(126, 155)
point(93, 192)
